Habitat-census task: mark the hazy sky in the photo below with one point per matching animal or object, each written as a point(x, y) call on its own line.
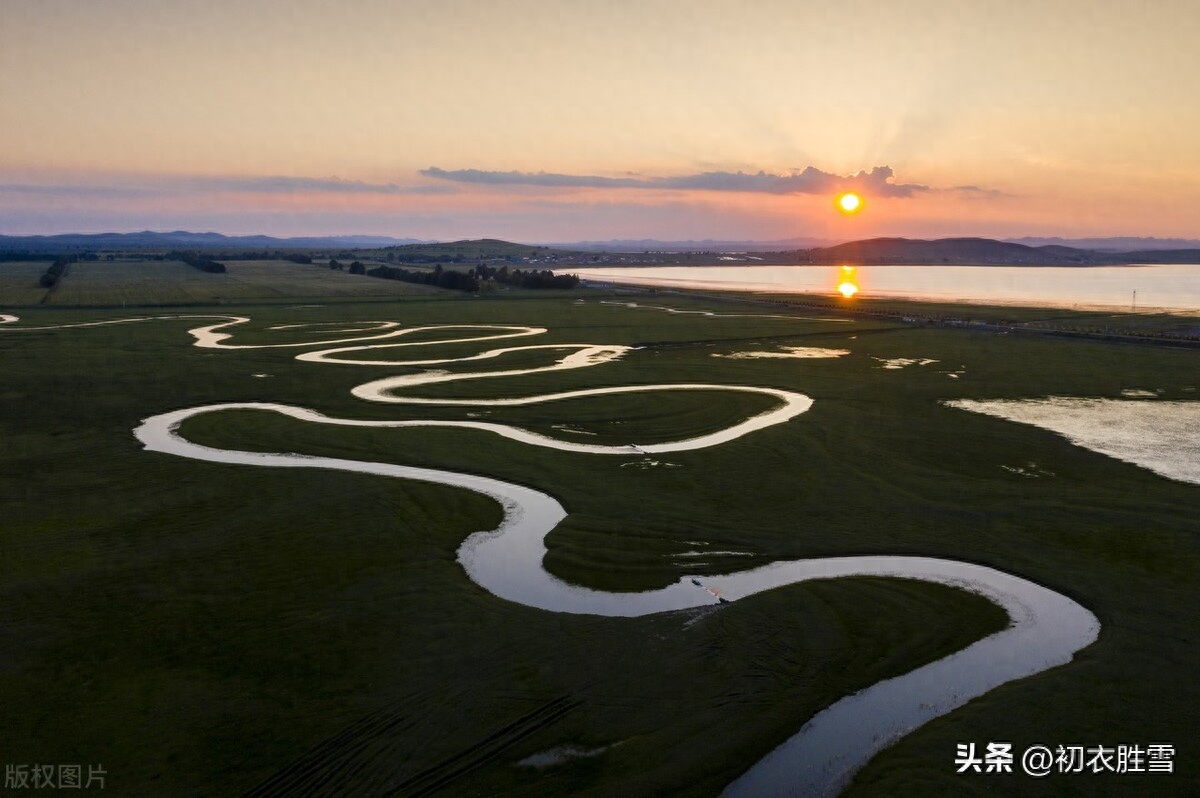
point(595, 119)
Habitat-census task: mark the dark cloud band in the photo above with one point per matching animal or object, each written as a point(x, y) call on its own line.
point(877, 182)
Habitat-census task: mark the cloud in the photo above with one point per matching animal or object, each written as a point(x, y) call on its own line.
point(285, 185)
point(977, 192)
point(478, 176)
point(877, 182)
point(140, 186)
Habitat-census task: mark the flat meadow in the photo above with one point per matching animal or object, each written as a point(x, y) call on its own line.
point(208, 629)
point(137, 282)
point(19, 282)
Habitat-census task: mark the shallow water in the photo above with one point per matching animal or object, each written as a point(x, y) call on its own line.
point(786, 352)
point(1162, 436)
point(560, 754)
point(1174, 287)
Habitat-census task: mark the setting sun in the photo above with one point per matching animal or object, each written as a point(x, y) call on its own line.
point(849, 202)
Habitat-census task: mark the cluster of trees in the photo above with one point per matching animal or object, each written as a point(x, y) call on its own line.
point(55, 272)
point(24, 255)
point(526, 279)
point(442, 278)
point(355, 268)
point(197, 261)
point(481, 275)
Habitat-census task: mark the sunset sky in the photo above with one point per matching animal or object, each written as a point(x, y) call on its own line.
point(564, 121)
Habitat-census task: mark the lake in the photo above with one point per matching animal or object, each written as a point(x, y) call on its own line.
point(1175, 287)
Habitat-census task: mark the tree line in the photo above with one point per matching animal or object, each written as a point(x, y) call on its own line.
point(19, 255)
point(531, 278)
point(480, 275)
point(442, 278)
point(198, 261)
point(56, 272)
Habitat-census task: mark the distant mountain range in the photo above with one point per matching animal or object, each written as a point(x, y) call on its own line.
point(983, 251)
point(980, 251)
point(148, 240)
point(184, 239)
point(693, 245)
point(1115, 244)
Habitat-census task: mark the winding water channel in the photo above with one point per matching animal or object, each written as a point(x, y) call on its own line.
point(1046, 628)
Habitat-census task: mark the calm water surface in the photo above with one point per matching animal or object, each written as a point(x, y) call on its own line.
point(1176, 287)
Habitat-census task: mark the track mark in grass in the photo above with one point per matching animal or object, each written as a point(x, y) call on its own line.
point(435, 778)
point(313, 772)
point(357, 760)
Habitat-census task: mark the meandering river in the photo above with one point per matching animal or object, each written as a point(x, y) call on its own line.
point(1046, 628)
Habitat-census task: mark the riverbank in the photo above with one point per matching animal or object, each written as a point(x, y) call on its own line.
point(1158, 327)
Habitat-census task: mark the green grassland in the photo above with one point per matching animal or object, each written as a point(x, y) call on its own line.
point(132, 283)
point(1098, 323)
point(201, 629)
point(19, 282)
